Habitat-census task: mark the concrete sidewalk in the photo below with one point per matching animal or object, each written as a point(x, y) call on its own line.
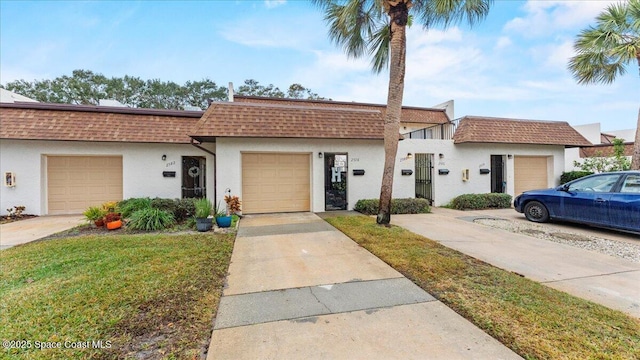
point(607, 280)
point(299, 289)
point(24, 231)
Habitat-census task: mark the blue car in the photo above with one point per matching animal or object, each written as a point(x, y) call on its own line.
point(610, 200)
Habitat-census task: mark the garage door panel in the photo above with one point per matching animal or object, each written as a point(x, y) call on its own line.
point(275, 182)
point(530, 172)
point(76, 182)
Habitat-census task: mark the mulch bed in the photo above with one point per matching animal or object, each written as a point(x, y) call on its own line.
point(4, 219)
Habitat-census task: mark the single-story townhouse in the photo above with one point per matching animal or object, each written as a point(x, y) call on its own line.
point(276, 155)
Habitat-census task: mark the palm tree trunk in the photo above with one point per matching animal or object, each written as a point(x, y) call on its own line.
point(394, 107)
point(635, 160)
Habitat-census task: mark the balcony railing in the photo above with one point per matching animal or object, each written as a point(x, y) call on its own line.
point(440, 131)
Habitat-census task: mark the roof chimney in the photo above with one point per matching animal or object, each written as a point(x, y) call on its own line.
point(230, 91)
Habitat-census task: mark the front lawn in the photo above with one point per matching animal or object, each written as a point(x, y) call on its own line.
point(143, 296)
point(533, 320)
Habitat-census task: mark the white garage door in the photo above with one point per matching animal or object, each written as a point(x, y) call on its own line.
point(275, 183)
point(530, 173)
point(76, 182)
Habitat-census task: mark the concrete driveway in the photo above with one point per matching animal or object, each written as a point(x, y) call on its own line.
point(298, 288)
point(24, 231)
point(603, 279)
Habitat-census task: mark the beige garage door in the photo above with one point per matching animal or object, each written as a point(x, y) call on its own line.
point(275, 183)
point(77, 182)
point(530, 172)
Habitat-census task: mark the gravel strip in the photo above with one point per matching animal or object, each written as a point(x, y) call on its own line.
point(619, 249)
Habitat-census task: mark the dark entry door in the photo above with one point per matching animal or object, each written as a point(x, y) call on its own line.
point(193, 177)
point(424, 176)
point(498, 185)
point(335, 181)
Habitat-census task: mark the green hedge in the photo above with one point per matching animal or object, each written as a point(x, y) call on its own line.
point(572, 175)
point(180, 209)
point(398, 206)
point(482, 201)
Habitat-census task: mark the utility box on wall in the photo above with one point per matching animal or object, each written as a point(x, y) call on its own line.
point(465, 175)
point(9, 179)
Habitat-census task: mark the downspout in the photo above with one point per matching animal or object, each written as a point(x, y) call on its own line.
point(215, 172)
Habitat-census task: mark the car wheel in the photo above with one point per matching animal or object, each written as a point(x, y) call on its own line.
point(536, 212)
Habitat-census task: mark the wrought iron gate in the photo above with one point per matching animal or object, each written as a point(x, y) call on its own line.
point(424, 176)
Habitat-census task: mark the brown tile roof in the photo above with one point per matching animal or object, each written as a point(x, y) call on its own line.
point(409, 114)
point(36, 121)
point(476, 129)
point(604, 150)
point(225, 119)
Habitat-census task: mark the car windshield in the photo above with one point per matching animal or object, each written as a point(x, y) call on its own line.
point(601, 183)
point(631, 184)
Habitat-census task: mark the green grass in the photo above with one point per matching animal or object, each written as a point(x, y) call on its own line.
point(156, 293)
point(533, 320)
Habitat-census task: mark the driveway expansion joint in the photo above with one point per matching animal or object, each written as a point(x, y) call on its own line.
point(297, 303)
point(590, 276)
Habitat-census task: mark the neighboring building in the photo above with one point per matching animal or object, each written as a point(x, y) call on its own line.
point(68, 157)
point(7, 96)
point(277, 155)
point(601, 144)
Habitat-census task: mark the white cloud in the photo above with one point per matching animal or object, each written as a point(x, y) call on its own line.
point(503, 42)
point(547, 17)
point(270, 4)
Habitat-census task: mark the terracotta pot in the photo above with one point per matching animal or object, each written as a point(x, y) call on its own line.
point(114, 225)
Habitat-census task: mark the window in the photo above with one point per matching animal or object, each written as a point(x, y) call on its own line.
point(601, 183)
point(631, 184)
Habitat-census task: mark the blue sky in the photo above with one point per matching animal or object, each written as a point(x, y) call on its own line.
point(511, 65)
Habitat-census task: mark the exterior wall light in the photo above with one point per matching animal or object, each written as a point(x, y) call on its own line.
point(320, 155)
point(441, 155)
point(164, 157)
point(409, 156)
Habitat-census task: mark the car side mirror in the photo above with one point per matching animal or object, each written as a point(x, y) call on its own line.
point(564, 188)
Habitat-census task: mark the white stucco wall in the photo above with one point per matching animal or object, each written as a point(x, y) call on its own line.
point(362, 154)
point(468, 156)
point(142, 169)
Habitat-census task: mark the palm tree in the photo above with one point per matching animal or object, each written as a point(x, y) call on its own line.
point(377, 28)
point(603, 51)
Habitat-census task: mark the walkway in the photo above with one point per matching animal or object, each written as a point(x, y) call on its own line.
point(300, 289)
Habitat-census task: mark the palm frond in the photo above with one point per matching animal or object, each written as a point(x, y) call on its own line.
point(447, 12)
point(379, 48)
point(603, 51)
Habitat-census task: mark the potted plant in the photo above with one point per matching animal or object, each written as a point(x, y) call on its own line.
point(203, 212)
point(96, 215)
point(223, 219)
point(113, 221)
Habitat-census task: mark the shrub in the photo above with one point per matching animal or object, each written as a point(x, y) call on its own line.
point(233, 203)
point(185, 208)
point(203, 208)
point(150, 219)
point(398, 206)
point(129, 206)
point(167, 205)
point(481, 201)
point(572, 175)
